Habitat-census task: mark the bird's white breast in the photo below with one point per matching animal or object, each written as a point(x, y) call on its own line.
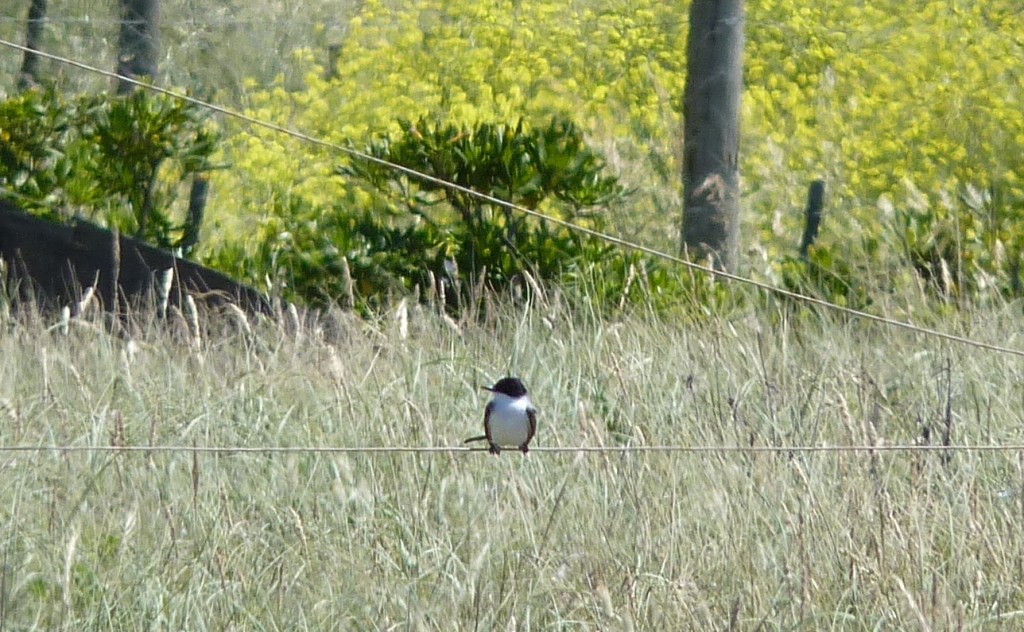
point(509, 420)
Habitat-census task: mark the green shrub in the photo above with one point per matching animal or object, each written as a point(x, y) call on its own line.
point(549, 168)
point(822, 274)
point(120, 160)
point(409, 233)
point(964, 244)
point(37, 130)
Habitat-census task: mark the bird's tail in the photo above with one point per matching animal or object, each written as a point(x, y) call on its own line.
point(472, 439)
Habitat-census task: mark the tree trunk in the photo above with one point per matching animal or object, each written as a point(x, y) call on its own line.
point(33, 33)
point(137, 45)
point(711, 109)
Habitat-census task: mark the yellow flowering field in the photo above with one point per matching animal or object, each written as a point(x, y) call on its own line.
point(911, 112)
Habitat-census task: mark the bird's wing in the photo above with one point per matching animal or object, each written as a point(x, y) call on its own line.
point(532, 415)
point(487, 421)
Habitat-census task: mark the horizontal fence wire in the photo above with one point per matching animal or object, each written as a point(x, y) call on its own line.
point(611, 239)
point(636, 449)
point(385, 450)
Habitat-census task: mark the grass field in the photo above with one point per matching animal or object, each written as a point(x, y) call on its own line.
point(174, 539)
point(553, 540)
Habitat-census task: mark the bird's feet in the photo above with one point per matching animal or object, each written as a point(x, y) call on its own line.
point(494, 449)
point(525, 448)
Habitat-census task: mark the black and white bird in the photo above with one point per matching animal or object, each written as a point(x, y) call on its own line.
point(510, 420)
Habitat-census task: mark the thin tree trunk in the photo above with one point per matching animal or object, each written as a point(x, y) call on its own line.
point(137, 44)
point(711, 108)
point(33, 34)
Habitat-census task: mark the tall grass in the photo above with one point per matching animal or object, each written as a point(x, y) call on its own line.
point(173, 540)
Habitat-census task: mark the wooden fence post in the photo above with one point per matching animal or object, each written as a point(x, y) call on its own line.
point(812, 218)
point(29, 75)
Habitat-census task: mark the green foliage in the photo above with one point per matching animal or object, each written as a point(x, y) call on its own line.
point(133, 137)
point(516, 163)
point(36, 131)
point(416, 233)
point(626, 281)
point(549, 168)
point(963, 245)
point(874, 98)
point(119, 159)
point(325, 256)
point(822, 275)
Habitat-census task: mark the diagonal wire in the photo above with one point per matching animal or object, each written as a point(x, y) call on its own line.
point(618, 241)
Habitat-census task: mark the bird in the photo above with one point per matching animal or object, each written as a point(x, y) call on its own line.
point(509, 418)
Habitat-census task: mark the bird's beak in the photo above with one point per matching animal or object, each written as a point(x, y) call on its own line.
point(487, 388)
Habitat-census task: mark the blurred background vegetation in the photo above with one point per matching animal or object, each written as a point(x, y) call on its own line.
point(911, 114)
